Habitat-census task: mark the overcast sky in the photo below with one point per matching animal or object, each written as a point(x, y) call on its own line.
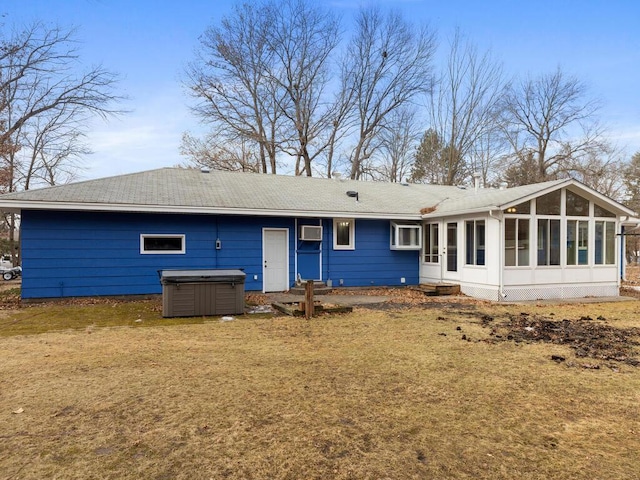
point(148, 43)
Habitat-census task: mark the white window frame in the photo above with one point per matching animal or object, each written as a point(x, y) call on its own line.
point(144, 251)
point(518, 245)
point(581, 240)
point(605, 242)
point(431, 256)
point(544, 239)
point(475, 246)
point(352, 234)
point(396, 236)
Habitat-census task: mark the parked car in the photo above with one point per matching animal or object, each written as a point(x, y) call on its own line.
point(10, 273)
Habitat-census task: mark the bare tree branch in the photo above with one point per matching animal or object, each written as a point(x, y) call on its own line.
point(45, 104)
point(238, 156)
point(302, 39)
point(232, 83)
point(389, 65)
point(37, 75)
point(398, 143)
point(464, 106)
point(551, 120)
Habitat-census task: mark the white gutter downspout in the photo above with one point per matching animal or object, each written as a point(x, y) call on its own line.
point(501, 294)
point(623, 259)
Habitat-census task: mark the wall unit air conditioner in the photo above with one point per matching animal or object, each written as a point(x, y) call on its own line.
point(311, 233)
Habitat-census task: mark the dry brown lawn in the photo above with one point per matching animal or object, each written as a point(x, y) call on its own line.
point(374, 394)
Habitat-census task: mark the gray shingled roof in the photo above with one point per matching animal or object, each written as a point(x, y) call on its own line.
point(179, 189)
point(487, 198)
point(189, 190)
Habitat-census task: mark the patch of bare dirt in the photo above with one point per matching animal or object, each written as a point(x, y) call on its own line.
point(589, 338)
point(9, 285)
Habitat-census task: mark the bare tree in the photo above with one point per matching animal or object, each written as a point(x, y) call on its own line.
point(6, 148)
point(46, 103)
point(489, 152)
point(232, 83)
point(337, 127)
point(551, 121)
point(389, 66)
point(302, 38)
point(601, 169)
point(398, 143)
point(210, 153)
point(262, 76)
point(51, 150)
point(464, 105)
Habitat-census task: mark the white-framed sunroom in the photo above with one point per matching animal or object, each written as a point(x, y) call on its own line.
point(559, 243)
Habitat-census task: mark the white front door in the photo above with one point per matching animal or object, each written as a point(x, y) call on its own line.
point(275, 254)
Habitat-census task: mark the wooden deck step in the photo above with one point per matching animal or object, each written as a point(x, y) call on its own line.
point(438, 289)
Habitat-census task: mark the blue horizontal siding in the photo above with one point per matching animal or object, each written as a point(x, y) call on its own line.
point(93, 253)
point(372, 263)
point(88, 254)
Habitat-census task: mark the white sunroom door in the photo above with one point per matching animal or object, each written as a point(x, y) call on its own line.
point(275, 271)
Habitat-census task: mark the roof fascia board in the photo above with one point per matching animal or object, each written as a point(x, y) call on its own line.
point(453, 213)
point(35, 205)
point(458, 213)
point(570, 182)
point(531, 196)
point(604, 199)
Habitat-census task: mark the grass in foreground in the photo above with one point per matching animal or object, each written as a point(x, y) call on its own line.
point(85, 314)
point(371, 394)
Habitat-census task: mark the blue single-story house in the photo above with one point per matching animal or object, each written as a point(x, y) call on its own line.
point(112, 236)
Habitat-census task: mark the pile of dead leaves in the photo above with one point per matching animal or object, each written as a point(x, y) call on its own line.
point(253, 299)
point(588, 337)
point(10, 299)
point(395, 295)
point(408, 297)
